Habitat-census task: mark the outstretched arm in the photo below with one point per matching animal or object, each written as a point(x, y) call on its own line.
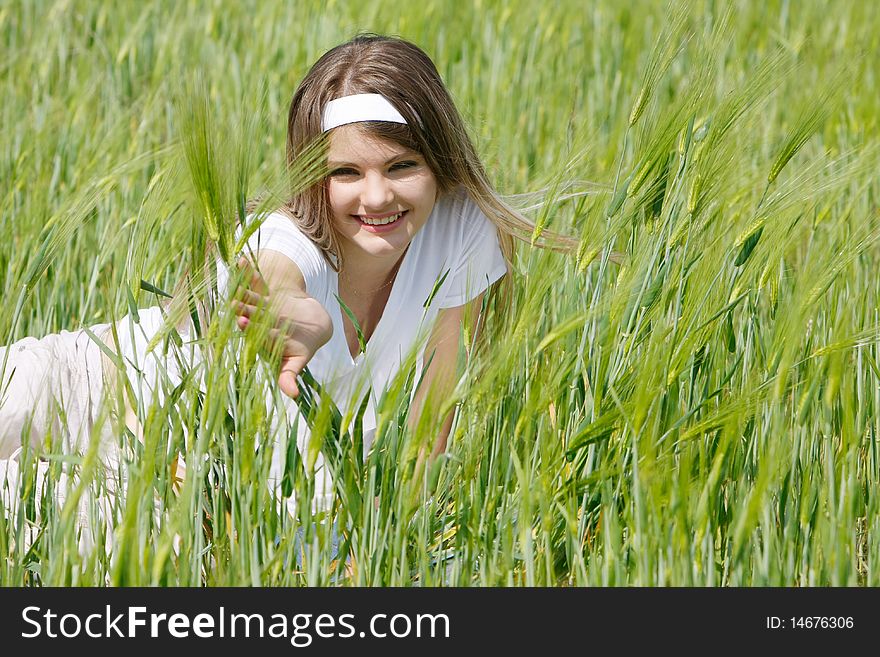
point(298, 322)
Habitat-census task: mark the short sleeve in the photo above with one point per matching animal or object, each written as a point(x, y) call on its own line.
point(279, 233)
point(478, 261)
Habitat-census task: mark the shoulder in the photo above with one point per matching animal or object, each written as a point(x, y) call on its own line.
point(281, 223)
point(279, 232)
point(458, 216)
point(278, 228)
point(467, 244)
point(459, 204)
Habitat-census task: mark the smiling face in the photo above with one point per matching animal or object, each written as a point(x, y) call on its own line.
point(381, 194)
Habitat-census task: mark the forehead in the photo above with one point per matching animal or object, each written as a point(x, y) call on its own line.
point(351, 143)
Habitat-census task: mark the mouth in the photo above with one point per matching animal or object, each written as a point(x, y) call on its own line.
point(380, 221)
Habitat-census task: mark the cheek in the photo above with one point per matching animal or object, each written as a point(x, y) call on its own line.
point(426, 193)
point(337, 197)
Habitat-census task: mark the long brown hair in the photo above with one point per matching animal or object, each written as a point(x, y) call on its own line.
point(401, 72)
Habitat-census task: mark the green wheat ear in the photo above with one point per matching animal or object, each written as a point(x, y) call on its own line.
point(812, 116)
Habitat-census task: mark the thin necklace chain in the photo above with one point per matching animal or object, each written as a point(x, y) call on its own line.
point(381, 287)
point(360, 294)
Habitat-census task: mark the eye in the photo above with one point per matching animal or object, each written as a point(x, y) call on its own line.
point(404, 164)
point(343, 171)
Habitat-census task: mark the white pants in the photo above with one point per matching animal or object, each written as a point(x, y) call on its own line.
point(50, 392)
point(55, 386)
point(54, 383)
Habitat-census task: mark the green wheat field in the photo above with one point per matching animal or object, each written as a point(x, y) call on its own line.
point(691, 398)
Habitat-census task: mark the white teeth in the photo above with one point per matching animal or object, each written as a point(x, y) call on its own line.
point(381, 222)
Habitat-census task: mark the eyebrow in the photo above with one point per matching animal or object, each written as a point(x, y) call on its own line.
point(334, 164)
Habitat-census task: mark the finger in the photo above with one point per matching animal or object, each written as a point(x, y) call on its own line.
point(287, 383)
point(291, 368)
point(245, 295)
point(243, 309)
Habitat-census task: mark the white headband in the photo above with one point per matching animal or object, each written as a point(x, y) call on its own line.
point(357, 108)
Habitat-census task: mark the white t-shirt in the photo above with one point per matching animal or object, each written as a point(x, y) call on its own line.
point(457, 245)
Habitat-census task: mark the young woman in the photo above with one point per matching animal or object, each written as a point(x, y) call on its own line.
point(404, 236)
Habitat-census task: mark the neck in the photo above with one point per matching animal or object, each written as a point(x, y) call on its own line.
point(369, 274)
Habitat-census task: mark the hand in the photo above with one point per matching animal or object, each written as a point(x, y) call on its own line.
point(298, 324)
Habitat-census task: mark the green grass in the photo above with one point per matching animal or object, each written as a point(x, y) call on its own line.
point(705, 413)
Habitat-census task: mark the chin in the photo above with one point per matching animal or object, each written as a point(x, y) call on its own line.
point(383, 246)
point(384, 250)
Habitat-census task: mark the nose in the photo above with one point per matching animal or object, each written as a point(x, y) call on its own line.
point(376, 193)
